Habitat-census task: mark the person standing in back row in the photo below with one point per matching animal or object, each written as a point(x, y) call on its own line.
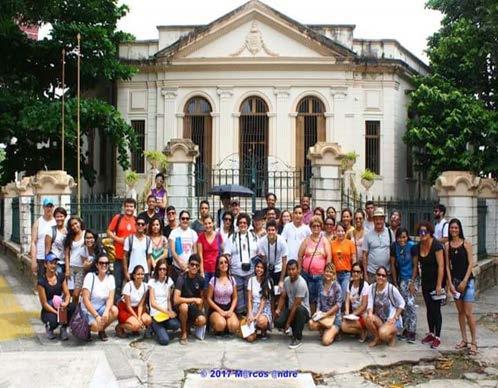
point(376, 247)
point(295, 232)
point(440, 224)
point(161, 195)
point(307, 212)
point(38, 231)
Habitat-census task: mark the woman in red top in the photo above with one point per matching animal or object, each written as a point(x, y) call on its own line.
point(343, 257)
point(209, 247)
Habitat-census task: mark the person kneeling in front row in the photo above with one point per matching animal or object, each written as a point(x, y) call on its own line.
point(189, 300)
point(293, 309)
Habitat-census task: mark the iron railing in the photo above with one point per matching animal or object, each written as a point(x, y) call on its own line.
point(16, 229)
point(2, 214)
point(481, 228)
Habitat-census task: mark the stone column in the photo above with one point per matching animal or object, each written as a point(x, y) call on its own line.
point(170, 131)
point(56, 185)
point(339, 95)
point(8, 193)
point(488, 189)
point(457, 190)
point(325, 182)
point(226, 129)
point(181, 154)
point(26, 200)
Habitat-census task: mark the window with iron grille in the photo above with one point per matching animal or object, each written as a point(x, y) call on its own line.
point(372, 146)
point(253, 140)
point(310, 128)
point(137, 156)
point(197, 126)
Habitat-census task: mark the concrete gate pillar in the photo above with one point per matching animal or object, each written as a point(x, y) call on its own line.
point(488, 189)
point(325, 181)
point(8, 193)
point(457, 190)
point(25, 193)
point(57, 185)
point(181, 154)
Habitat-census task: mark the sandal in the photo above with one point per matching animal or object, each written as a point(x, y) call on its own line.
point(473, 349)
point(461, 345)
point(183, 341)
point(120, 332)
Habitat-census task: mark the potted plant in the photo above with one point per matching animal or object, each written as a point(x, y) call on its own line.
point(367, 178)
point(157, 159)
point(348, 160)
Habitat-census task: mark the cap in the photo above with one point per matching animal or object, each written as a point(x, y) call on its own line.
point(379, 212)
point(51, 257)
point(234, 202)
point(48, 202)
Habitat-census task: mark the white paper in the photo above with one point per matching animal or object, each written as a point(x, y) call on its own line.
point(247, 329)
point(277, 290)
point(317, 316)
point(351, 317)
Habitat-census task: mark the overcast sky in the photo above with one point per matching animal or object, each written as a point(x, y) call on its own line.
point(404, 20)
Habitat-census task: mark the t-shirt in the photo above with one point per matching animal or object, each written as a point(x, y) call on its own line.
point(140, 249)
point(329, 298)
point(273, 252)
point(190, 287)
point(210, 251)
point(295, 235)
point(43, 229)
point(307, 216)
point(52, 290)
point(241, 248)
point(127, 226)
point(145, 215)
point(159, 194)
point(368, 225)
point(101, 289)
point(441, 229)
point(386, 301)
point(354, 296)
point(77, 251)
point(404, 260)
point(162, 293)
point(222, 292)
point(57, 247)
point(184, 242)
point(255, 287)
point(135, 294)
point(315, 256)
point(297, 289)
point(378, 247)
point(343, 254)
point(197, 226)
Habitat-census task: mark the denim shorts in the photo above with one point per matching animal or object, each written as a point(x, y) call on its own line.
point(469, 294)
point(89, 317)
point(314, 283)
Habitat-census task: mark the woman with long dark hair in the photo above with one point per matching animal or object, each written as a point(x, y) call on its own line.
point(222, 298)
point(347, 219)
point(159, 243)
point(259, 298)
point(285, 218)
point(356, 304)
point(430, 255)
point(461, 281)
point(91, 251)
point(74, 247)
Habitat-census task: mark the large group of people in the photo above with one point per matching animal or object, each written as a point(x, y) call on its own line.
point(236, 274)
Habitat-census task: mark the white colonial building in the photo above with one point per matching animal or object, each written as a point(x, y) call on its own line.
point(255, 89)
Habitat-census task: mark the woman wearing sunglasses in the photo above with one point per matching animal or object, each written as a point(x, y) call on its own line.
point(227, 228)
point(182, 244)
point(356, 304)
point(161, 307)
point(98, 298)
point(429, 254)
point(385, 306)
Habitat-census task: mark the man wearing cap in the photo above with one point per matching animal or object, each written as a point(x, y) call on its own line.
point(40, 228)
point(376, 245)
point(235, 208)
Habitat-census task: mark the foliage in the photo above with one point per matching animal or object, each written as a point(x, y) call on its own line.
point(453, 121)
point(131, 178)
point(157, 159)
point(368, 175)
point(348, 160)
point(30, 76)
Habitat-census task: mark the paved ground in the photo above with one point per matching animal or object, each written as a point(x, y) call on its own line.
point(134, 362)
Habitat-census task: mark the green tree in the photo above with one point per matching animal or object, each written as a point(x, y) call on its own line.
point(454, 119)
point(30, 80)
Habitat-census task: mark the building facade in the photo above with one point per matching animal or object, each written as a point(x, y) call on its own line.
point(255, 89)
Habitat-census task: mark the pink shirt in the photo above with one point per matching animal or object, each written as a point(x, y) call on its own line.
point(315, 264)
point(307, 217)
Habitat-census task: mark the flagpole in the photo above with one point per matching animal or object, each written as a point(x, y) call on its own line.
point(62, 109)
point(78, 125)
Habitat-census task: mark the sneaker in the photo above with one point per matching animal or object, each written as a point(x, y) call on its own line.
point(148, 332)
point(64, 336)
point(289, 331)
point(428, 338)
point(50, 333)
point(411, 337)
point(200, 332)
point(264, 337)
point(295, 343)
point(435, 343)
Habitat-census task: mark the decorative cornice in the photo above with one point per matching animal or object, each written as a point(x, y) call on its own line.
point(225, 91)
point(169, 93)
point(282, 92)
point(456, 184)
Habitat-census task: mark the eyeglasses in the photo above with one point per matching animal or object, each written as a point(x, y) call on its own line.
point(227, 219)
point(140, 223)
point(356, 271)
point(171, 212)
point(316, 226)
point(242, 223)
point(223, 262)
point(381, 275)
point(103, 263)
point(329, 225)
point(185, 218)
point(358, 218)
point(194, 265)
point(162, 269)
point(423, 232)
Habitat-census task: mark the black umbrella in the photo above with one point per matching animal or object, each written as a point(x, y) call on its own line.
point(232, 190)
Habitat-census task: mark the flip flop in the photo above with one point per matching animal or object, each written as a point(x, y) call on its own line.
point(183, 341)
point(461, 345)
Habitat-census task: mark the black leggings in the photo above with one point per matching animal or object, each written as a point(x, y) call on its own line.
point(434, 317)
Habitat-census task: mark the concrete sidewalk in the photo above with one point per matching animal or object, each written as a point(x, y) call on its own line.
point(136, 361)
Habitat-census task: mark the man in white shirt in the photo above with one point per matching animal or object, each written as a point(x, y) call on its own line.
point(295, 232)
point(38, 232)
point(440, 224)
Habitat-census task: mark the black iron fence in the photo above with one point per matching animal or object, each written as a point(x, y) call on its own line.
point(481, 228)
point(16, 229)
point(2, 214)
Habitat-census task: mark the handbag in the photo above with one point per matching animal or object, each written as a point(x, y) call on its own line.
point(78, 323)
point(327, 322)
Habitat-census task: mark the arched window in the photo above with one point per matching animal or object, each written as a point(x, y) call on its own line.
point(197, 126)
point(253, 124)
point(310, 128)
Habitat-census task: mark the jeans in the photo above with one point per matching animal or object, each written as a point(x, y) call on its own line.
point(314, 283)
point(118, 278)
point(343, 278)
point(300, 318)
point(50, 319)
point(160, 328)
point(242, 282)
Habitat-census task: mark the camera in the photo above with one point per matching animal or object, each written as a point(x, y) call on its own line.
point(271, 267)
